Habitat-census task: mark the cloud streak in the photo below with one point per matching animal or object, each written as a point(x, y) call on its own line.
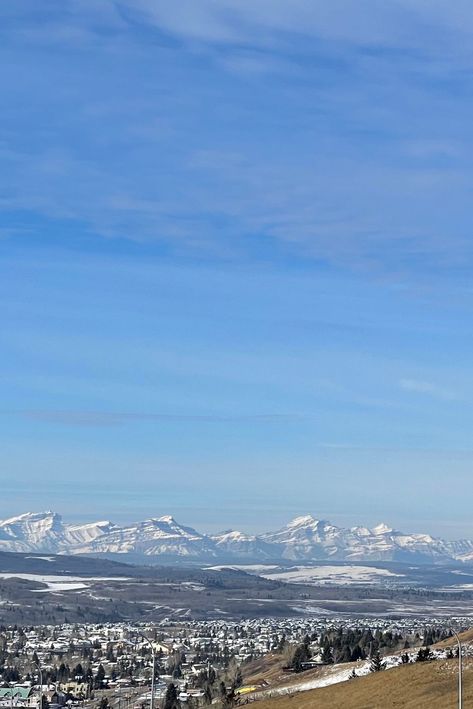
point(119, 418)
point(417, 386)
point(343, 145)
point(396, 24)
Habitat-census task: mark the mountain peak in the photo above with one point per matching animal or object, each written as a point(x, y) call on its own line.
point(32, 531)
point(303, 539)
point(302, 521)
point(32, 517)
point(382, 528)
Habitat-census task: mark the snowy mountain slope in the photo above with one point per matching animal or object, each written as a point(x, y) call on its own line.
point(304, 539)
point(243, 545)
point(84, 534)
point(153, 537)
point(42, 531)
point(461, 550)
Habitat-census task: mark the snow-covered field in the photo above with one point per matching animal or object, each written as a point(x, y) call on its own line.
point(319, 575)
point(75, 583)
point(59, 583)
point(258, 569)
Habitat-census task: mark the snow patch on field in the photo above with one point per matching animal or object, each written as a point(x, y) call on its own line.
point(54, 587)
point(313, 610)
point(335, 674)
point(193, 585)
point(249, 568)
point(318, 575)
point(59, 583)
point(340, 575)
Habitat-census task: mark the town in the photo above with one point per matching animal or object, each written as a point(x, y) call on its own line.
point(196, 662)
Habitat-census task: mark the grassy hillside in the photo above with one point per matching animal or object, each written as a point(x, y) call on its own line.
point(430, 685)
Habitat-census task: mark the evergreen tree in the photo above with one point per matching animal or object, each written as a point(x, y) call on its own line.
point(428, 638)
point(78, 672)
point(99, 677)
point(344, 654)
point(301, 655)
point(170, 700)
point(327, 656)
point(357, 654)
point(377, 664)
point(424, 654)
point(63, 672)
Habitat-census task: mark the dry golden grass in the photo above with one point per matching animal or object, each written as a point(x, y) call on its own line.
point(267, 668)
point(430, 685)
point(466, 637)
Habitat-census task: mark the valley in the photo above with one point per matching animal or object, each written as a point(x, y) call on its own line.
point(59, 589)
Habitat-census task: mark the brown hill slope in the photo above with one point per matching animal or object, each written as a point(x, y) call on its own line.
point(466, 638)
point(431, 685)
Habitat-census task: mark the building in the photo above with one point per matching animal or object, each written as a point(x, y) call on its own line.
point(18, 697)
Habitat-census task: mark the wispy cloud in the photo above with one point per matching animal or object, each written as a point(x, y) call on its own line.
point(117, 418)
point(324, 151)
point(402, 23)
point(417, 386)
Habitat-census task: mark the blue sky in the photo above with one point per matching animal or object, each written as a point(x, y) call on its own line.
point(235, 261)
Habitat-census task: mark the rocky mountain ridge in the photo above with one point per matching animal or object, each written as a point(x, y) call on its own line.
point(304, 539)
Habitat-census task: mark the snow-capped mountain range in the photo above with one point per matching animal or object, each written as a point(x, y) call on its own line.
point(304, 539)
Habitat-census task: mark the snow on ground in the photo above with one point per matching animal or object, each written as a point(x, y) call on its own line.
point(249, 568)
point(43, 558)
point(54, 587)
point(313, 610)
point(193, 585)
point(321, 575)
point(327, 676)
point(339, 673)
point(59, 583)
point(318, 575)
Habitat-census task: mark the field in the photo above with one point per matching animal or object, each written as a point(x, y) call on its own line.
point(36, 589)
point(431, 685)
